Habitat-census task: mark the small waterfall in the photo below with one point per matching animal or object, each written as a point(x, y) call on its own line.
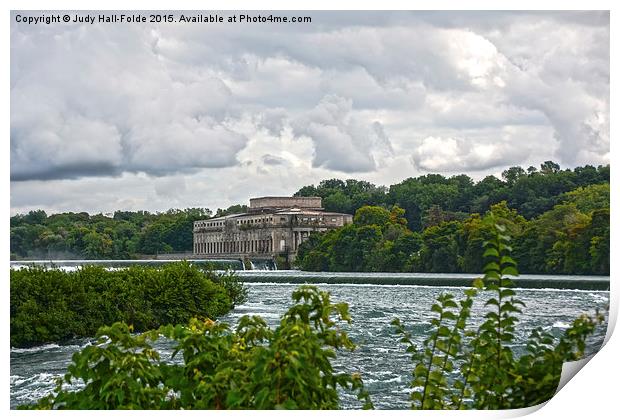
point(263, 265)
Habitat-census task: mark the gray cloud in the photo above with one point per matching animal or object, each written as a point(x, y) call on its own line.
point(96, 108)
point(273, 120)
point(170, 188)
point(353, 92)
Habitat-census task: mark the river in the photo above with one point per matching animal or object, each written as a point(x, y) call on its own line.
point(379, 357)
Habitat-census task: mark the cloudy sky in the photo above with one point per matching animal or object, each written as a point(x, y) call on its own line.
point(159, 116)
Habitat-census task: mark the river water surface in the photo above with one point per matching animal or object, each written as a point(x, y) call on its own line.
point(379, 357)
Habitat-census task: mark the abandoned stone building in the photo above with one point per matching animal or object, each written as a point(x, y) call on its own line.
point(273, 226)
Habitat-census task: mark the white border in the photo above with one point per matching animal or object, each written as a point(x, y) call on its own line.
point(592, 394)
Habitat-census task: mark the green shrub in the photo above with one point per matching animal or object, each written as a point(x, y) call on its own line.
point(53, 305)
point(234, 287)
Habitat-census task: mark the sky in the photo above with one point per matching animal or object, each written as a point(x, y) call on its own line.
point(149, 116)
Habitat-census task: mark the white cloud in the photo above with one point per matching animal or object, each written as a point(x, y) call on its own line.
point(342, 140)
point(438, 154)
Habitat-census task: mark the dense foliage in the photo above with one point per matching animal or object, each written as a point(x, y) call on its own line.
point(427, 200)
point(252, 367)
point(570, 238)
point(430, 199)
point(52, 305)
point(123, 235)
point(490, 376)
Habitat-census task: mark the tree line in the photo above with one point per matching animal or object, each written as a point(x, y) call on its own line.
point(123, 235)
point(563, 224)
point(433, 198)
point(559, 220)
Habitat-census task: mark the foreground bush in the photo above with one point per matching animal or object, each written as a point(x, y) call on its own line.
point(252, 367)
point(53, 305)
point(462, 366)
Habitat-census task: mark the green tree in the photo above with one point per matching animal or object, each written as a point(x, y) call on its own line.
point(338, 202)
point(512, 174)
point(589, 198)
point(234, 209)
point(439, 252)
point(372, 215)
point(549, 167)
point(598, 235)
point(52, 305)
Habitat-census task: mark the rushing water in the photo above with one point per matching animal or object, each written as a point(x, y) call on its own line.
point(379, 357)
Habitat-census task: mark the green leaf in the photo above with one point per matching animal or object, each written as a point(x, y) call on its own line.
point(490, 252)
point(507, 260)
point(504, 293)
point(492, 266)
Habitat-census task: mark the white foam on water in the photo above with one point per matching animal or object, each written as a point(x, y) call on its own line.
point(37, 380)
point(562, 325)
point(36, 349)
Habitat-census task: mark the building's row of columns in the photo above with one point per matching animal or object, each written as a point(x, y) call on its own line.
point(205, 246)
point(232, 247)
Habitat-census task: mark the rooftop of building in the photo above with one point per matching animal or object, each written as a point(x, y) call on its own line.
point(263, 206)
point(290, 211)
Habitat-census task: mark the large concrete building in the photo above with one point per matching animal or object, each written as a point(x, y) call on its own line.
point(273, 226)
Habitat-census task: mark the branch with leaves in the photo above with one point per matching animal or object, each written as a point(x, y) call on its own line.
point(488, 375)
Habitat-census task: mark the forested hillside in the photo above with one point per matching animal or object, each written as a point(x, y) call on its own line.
point(559, 220)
